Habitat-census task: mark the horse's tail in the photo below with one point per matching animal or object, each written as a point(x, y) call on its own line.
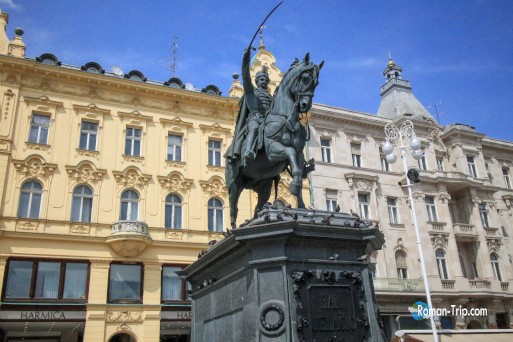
point(276, 180)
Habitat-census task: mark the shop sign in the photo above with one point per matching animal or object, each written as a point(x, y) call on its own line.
point(42, 315)
point(176, 315)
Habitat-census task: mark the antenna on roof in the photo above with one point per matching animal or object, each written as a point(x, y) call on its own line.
point(437, 113)
point(117, 71)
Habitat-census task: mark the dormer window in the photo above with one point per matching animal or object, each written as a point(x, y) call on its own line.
point(93, 68)
point(211, 90)
point(136, 75)
point(174, 82)
point(48, 59)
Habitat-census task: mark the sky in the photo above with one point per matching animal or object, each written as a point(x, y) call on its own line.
point(458, 54)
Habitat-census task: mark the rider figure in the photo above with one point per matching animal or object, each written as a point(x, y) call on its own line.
point(258, 100)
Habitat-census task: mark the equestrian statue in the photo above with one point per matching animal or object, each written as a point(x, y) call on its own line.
point(269, 136)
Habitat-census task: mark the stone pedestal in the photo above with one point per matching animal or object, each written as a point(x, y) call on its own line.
point(290, 275)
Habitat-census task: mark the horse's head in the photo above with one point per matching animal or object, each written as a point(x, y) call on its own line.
point(302, 80)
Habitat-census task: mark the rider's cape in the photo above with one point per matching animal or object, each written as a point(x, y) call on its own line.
point(234, 150)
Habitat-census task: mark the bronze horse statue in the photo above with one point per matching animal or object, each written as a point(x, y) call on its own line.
point(284, 140)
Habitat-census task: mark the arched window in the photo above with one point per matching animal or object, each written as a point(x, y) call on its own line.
point(441, 263)
point(129, 205)
point(82, 204)
point(30, 200)
point(173, 217)
point(496, 266)
point(215, 215)
point(400, 261)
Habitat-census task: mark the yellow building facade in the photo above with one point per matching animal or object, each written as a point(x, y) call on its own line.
point(109, 183)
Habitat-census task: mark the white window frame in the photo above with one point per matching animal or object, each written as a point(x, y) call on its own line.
point(364, 206)
point(331, 200)
point(472, 169)
point(385, 165)
point(507, 179)
point(175, 147)
point(483, 214)
point(131, 139)
point(214, 152)
point(83, 199)
point(175, 213)
point(393, 212)
point(441, 263)
point(34, 195)
point(216, 210)
point(440, 164)
point(431, 209)
point(356, 154)
point(326, 150)
point(88, 134)
point(423, 163)
point(132, 204)
point(40, 127)
point(496, 266)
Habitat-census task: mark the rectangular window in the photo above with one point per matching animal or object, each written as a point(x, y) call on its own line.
point(356, 155)
point(483, 213)
point(431, 209)
point(385, 166)
point(472, 166)
point(174, 147)
point(125, 282)
point(88, 135)
point(331, 200)
point(214, 152)
point(326, 150)
point(393, 215)
point(363, 201)
point(58, 280)
point(173, 288)
point(440, 164)
point(133, 141)
point(507, 179)
point(39, 127)
point(422, 163)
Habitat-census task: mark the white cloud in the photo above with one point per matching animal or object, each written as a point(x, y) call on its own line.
point(10, 4)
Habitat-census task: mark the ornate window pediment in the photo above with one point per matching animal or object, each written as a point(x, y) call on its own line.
point(361, 181)
point(494, 245)
point(175, 182)
point(439, 240)
point(85, 172)
point(34, 167)
point(131, 177)
point(215, 186)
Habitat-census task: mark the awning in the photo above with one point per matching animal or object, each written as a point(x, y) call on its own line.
point(474, 335)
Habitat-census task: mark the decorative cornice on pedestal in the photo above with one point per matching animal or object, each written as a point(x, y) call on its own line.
point(85, 172)
point(91, 110)
point(134, 115)
point(215, 186)
point(34, 167)
point(175, 182)
point(131, 177)
point(215, 127)
point(176, 121)
point(43, 100)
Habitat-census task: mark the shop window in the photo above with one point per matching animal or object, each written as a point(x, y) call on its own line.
point(125, 283)
point(173, 288)
point(46, 279)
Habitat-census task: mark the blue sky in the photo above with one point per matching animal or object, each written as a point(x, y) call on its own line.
point(459, 53)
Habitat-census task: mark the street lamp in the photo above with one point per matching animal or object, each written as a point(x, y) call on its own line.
point(405, 137)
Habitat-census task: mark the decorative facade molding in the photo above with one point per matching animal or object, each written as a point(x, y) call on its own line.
point(444, 197)
point(43, 100)
point(91, 111)
point(132, 177)
point(27, 225)
point(326, 133)
point(508, 200)
point(100, 263)
point(175, 182)
point(215, 236)
point(8, 97)
point(174, 235)
point(123, 317)
point(79, 229)
point(135, 115)
point(361, 182)
point(419, 196)
point(86, 172)
point(215, 186)
point(176, 121)
point(34, 167)
point(439, 240)
point(494, 245)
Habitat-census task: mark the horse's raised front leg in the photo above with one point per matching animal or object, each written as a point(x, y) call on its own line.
point(278, 152)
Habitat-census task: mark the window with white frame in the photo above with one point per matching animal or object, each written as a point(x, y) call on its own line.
point(326, 150)
point(472, 166)
point(400, 261)
point(82, 204)
point(441, 263)
point(462, 266)
point(356, 154)
point(174, 147)
point(496, 266)
point(173, 212)
point(393, 215)
point(331, 200)
point(30, 199)
point(422, 163)
point(129, 205)
point(507, 179)
point(39, 127)
point(440, 164)
point(214, 152)
point(483, 214)
point(133, 140)
point(431, 209)
point(363, 202)
point(215, 215)
point(88, 135)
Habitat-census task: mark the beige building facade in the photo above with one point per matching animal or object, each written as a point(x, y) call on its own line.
point(110, 182)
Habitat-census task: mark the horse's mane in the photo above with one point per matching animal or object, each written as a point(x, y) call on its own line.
point(296, 65)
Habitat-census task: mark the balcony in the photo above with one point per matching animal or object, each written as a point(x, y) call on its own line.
point(476, 284)
point(438, 226)
point(492, 232)
point(454, 180)
point(398, 285)
point(465, 232)
point(129, 238)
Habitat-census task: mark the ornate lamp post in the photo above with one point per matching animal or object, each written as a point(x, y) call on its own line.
point(405, 137)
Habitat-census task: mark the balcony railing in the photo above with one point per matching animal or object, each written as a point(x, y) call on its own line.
point(505, 286)
point(130, 227)
point(398, 285)
point(479, 284)
point(490, 231)
point(448, 284)
point(438, 226)
point(465, 231)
